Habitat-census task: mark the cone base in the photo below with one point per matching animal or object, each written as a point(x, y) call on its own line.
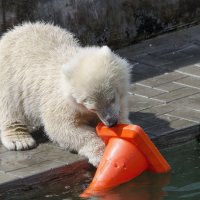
point(121, 162)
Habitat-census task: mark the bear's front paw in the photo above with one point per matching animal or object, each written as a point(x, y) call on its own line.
point(18, 142)
point(95, 159)
point(97, 154)
point(93, 152)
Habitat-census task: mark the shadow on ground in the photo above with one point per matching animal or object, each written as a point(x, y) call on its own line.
point(40, 136)
point(148, 121)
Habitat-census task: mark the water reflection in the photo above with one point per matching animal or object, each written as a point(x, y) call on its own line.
point(182, 183)
point(148, 186)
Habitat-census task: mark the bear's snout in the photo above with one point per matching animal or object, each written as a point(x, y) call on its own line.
point(108, 117)
point(111, 122)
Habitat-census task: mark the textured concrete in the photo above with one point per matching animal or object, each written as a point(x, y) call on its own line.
point(165, 90)
point(22, 165)
point(164, 99)
point(111, 22)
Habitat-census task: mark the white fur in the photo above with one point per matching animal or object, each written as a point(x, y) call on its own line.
point(47, 79)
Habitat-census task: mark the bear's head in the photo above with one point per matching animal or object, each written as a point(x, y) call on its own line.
point(96, 81)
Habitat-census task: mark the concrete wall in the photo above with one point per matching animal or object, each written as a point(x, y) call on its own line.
point(112, 22)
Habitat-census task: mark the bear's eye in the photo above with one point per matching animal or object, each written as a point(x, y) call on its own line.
point(84, 100)
point(87, 101)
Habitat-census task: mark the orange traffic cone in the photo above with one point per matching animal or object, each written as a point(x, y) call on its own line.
point(128, 153)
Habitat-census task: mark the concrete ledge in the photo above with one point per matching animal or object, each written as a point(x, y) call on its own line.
point(177, 137)
point(70, 171)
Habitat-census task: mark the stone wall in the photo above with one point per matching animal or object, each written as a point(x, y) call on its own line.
point(113, 22)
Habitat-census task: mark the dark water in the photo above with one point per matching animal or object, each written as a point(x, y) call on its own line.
point(182, 183)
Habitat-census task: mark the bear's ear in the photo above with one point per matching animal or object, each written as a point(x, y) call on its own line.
point(105, 50)
point(67, 70)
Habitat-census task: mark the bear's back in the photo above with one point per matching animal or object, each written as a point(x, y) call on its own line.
point(31, 56)
point(35, 41)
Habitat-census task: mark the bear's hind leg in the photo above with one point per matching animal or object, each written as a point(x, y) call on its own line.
point(15, 136)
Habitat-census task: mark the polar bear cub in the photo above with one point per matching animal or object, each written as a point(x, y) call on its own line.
point(47, 79)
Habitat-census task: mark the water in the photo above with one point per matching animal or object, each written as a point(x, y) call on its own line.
point(183, 183)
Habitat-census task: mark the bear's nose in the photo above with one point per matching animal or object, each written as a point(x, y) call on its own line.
point(111, 122)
